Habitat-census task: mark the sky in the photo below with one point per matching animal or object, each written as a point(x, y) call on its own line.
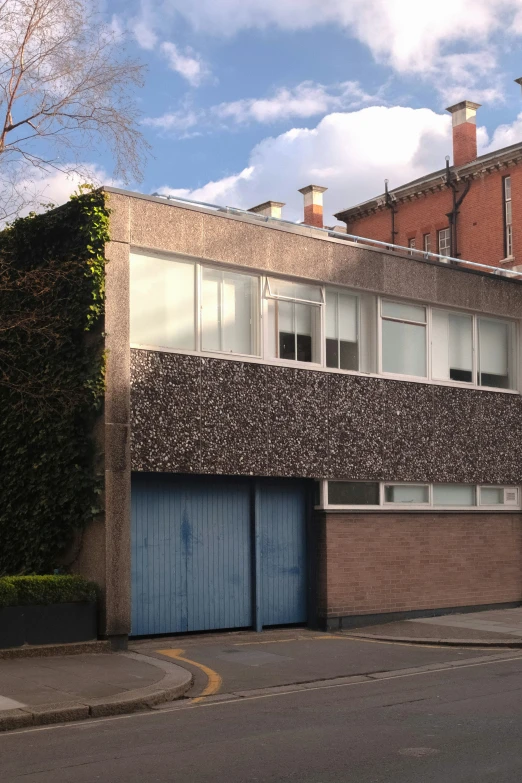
point(250, 100)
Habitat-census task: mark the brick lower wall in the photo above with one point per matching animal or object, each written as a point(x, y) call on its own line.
point(384, 563)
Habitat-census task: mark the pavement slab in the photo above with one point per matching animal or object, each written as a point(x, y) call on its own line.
point(36, 691)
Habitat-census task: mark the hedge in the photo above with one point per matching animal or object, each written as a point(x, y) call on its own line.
point(25, 590)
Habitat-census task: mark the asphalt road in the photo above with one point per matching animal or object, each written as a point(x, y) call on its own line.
point(454, 725)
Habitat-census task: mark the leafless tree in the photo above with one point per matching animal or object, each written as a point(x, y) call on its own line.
point(65, 87)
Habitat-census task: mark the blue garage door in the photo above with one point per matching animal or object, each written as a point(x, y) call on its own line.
point(282, 517)
point(191, 555)
point(210, 553)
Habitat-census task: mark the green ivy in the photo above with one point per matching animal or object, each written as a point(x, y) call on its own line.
point(51, 392)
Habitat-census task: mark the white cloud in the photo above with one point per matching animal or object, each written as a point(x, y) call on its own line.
point(187, 64)
point(31, 189)
point(143, 33)
point(411, 36)
point(305, 100)
point(174, 121)
point(503, 136)
point(350, 153)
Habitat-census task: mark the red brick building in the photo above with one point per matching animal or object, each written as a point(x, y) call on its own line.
point(468, 210)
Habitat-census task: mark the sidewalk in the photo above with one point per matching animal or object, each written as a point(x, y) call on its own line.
point(494, 628)
point(35, 691)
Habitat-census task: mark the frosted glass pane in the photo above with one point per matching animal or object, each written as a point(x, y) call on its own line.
point(348, 318)
point(453, 495)
point(228, 311)
point(492, 496)
point(239, 313)
point(460, 342)
point(440, 345)
point(311, 293)
point(493, 343)
point(406, 493)
point(405, 311)
point(331, 316)
point(162, 302)
point(286, 316)
point(210, 310)
point(404, 348)
point(303, 319)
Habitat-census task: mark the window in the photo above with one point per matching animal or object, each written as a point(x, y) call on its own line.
point(508, 218)
point(162, 302)
point(393, 496)
point(499, 496)
point(411, 245)
point(495, 348)
point(294, 317)
point(444, 237)
point(454, 495)
point(452, 346)
point(353, 493)
point(404, 339)
point(182, 305)
point(341, 331)
point(228, 311)
point(417, 494)
point(426, 243)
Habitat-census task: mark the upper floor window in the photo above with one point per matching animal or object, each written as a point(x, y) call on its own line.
point(404, 348)
point(229, 305)
point(508, 218)
point(341, 331)
point(183, 305)
point(294, 320)
point(426, 243)
point(162, 302)
point(411, 244)
point(444, 241)
point(463, 348)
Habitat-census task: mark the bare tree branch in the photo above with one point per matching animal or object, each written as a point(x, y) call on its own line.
point(65, 86)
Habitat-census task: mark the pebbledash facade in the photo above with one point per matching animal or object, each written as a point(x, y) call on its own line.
point(300, 429)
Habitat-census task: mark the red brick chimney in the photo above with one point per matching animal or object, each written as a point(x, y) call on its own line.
point(313, 205)
point(464, 121)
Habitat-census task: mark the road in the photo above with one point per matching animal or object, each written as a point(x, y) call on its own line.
point(447, 725)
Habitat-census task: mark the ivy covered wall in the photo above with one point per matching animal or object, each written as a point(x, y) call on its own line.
point(51, 379)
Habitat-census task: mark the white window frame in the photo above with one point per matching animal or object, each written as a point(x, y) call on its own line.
point(429, 508)
point(427, 331)
point(439, 232)
point(513, 349)
point(262, 331)
point(508, 226)
point(345, 292)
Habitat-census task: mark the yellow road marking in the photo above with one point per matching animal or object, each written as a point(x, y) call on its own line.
point(214, 681)
point(292, 639)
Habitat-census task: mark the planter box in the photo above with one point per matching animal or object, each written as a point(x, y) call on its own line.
point(48, 624)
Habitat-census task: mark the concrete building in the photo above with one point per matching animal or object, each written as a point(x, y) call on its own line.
point(469, 210)
point(299, 428)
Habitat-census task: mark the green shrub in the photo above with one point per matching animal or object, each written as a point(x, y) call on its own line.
point(8, 595)
point(24, 590)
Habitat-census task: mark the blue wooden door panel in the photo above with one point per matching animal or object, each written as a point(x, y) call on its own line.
point(191, 555)
point(282, 531)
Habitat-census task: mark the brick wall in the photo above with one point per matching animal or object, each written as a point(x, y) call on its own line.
point(380, 563)
point(480, 222)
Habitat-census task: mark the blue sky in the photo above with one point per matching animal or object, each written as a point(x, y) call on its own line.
point(247, 101)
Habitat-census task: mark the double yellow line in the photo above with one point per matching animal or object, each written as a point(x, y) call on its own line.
point(214, 681)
